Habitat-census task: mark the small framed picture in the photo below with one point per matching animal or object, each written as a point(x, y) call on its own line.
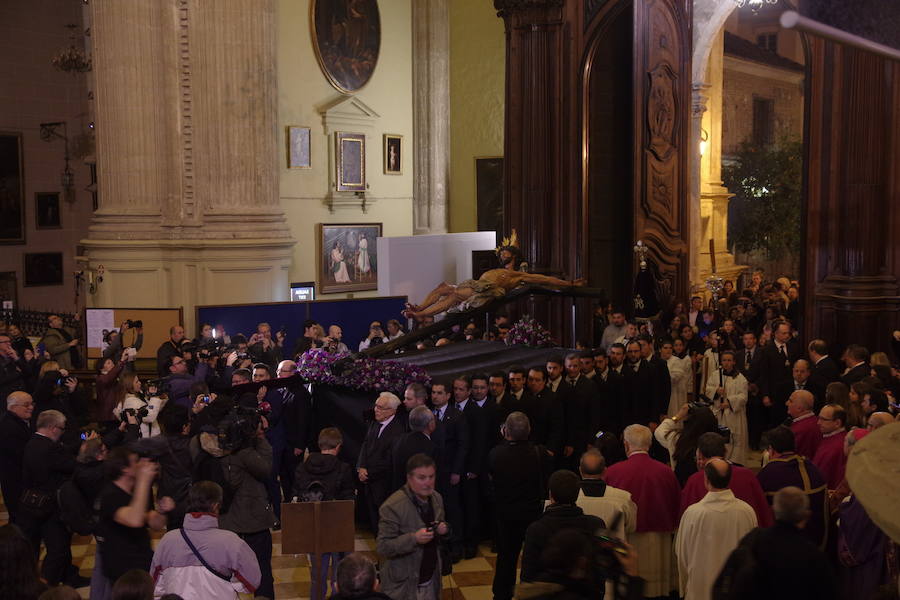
point(298, 149)
point(350, 161)
point(46, 210)
point(393, 154)
point(43, 268)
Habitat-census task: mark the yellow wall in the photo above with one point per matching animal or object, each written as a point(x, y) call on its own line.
point(302, 90)
point(477, 64)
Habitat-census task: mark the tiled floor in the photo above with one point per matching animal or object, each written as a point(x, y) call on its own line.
point(471, 579)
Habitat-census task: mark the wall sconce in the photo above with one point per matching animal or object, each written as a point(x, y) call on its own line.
point(93, 278)
point(704, 141)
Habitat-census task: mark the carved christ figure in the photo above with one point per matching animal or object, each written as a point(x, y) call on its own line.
point(493, 284)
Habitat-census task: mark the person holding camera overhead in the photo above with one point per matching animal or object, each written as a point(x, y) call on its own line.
point(376, 336)
point(57, 390)
point(179, 380)
point(171, 347)
point(679, 435)
point(115, 343)
point(729, 393)
point(144, 406)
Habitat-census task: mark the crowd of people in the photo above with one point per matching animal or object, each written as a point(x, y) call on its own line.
point(628, 468)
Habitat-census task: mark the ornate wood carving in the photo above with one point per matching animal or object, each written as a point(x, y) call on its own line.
point(591, 10)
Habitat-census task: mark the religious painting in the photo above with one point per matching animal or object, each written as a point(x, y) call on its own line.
point(393, 159)
point(8, 290)
point(348, 257)
point(12, 190)
point(298, 147)
point(46, 210)
point(350, 161)
point(489, 194)
point(346, 36)
point(43, 268)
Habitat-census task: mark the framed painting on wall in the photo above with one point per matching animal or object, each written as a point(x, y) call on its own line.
point(348, 257)
point(393, 154)
point(347, 39)
point(12, 190)
point(43, 268)
point(46, 210)
point(350, 161)
point(298, 147)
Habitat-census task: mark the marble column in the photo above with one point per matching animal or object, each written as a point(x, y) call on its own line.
point(431, 114)
point(185, 101)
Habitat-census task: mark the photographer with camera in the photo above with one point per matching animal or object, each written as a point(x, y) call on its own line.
point(263, 349)
point(144, 407)
point(729, 393)
point(679, 435)
point(116, 346)
point(57, 390)
point(179, 380)
point(62, 342)
point(376, 336)
point(108, 390)
point(171, 347)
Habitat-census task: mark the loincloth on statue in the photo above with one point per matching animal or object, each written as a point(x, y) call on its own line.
point(483, 292)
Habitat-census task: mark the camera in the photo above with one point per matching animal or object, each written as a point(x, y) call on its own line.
point(138, 413)
point(238, 429)
point(701, 402)
point(134, 324)
point(205, 399)
point(161, 385)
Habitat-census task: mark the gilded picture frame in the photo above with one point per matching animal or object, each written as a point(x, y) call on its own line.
point(348, 257)
point(299, 147)
point(346, 38)
point(350, 161)
point(393, 154)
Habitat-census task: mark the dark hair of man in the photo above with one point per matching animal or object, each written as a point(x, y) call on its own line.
point(621, 345)
point(698, 422)
point(171, 361)
point(418, 461)
point(878, 399)
point(478, 376)
point(540, 369)
point(517, 426)
point(465, 379)
point(781, 439)
point(499, 374)
point(133, 585)
point(728, 352)
point(574, 355)
point(717, 480)
point(564, 486)
point(199, 387)
point(243, 373)
point(172, 330)
point(309, 323)
point(565, 550)
point(443, 384)
point(264, 367)
point(617, 311)
point(556, 359)
point(857, 352)
point(872, 382)
point(711, 445)
point(589, 354)
point(173, 417)
point(118, 459)
point(646, 337)
point(819, 347)
point(418, 390)
point(203, 495)
point(630, 344)
point(330, 438)
point(838, 413)
point(238, 338)
point(355, 576)
point(518, 370)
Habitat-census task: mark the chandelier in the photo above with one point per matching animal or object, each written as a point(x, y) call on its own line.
point(755, 5)
point(72, 59)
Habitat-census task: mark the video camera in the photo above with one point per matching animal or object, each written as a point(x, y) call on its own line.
point(161, 385)
point(138, 413)
point(134, 324)
point(238, 429)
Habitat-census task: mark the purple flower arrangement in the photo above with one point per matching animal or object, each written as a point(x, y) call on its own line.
point(367, 374)
point(528, 332)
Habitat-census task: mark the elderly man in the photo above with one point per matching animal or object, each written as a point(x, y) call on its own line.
point(829, 456)
point(374, 463)
point(807, 436)
point(709, 531)
point(61, 342)
point(743, 483)
point(15, 430)
point(876, 420)
point(296, 409)
point(410, 523)
point(171, 347)
point(656, 493)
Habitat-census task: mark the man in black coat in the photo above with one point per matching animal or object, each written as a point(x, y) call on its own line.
point(544, 412)
point(477, 424)
point(417, 440)
point(452, 441)
point(46, 464)
point(374, 466)
point(582, 408)
point(824, 369)
point(856, 359)
point(659, 372)
point(15, 431)
point(641, 403)
point(13, 370)
point(296, 414)
point(800, 380)
point(776, 369)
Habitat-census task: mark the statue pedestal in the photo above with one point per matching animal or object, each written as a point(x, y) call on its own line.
point(714, 199)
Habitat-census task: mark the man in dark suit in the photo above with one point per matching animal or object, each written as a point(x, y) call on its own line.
point(543, 412)
point(15, 431)
point(46, 464)
point(856, 359)
point(824, 369)
point(296, 412)
point(659, 373)
point(417, 440)
point(800, 380)
point(488, 405)
point(374, 464)
point(581, 408)
point(476, 423)
point(515, 389)
point(747, 361)
point(775, 369)
point(641, 403)
point(451, 439)
point(606, 412)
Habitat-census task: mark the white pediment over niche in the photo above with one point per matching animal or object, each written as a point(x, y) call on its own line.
point(347, 113)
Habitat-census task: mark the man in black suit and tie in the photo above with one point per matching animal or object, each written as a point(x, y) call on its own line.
point(659, 373)
point(374, 465)
point(775, 369)
point(747, 361)
point(451, 439)
point(824, 369)
point(512, 399)
point(477, 424)
point(296, 413)
point(856, 359)
point(46, 464)
point(417, 440)
point(581, 407)
point(545, 414)
point(488, 405)
point(641, 404)
point(800, 380)
point(15, 431)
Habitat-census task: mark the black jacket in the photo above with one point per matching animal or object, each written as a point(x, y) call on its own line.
point(640, 402)
point(547, 419)
point(14, 435)
point(451, 446)
point(824, 372)
point(375, 454)
point(856, 374)
point(335, 475)
point(477, 424)
point(518, 473)
point(556, 518)
point(774, 368)
point(407, 445)
point(46, 464)
point(12, 377)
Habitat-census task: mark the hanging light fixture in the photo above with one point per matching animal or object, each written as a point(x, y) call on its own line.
point(755, 5)
point(72, 59)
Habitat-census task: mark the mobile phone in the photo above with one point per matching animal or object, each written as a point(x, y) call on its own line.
point(205, 399)
point(83, 435)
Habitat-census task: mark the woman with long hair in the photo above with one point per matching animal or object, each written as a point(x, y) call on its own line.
point(856, 416)
point(679, 435)
point(109, 393)
point(134, 398)
point(19, 578)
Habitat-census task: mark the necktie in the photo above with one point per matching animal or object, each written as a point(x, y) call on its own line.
point(783, 351)
point(749, 358)
point(572, 381)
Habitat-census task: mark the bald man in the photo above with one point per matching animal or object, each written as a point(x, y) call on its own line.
point(14, 434)
point(710, 530)
point(807, 436)
point(879, 419)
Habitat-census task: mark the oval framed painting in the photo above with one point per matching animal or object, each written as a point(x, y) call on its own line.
point(347, 39)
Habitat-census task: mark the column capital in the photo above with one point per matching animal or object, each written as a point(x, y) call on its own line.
point(699, 98)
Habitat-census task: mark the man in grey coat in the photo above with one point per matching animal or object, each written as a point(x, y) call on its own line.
point(411, 521)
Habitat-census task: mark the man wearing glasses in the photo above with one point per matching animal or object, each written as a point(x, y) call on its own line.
point(180, 379)
point(374, 464)
point(15, 431)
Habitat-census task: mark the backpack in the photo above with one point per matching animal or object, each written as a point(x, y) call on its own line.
point(209, 468)
point(314, 492)
point(741, 576)
point(74, 510)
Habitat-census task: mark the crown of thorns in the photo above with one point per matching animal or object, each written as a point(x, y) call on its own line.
point(510, 243)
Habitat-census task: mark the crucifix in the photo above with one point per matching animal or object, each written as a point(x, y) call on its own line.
point(714, 283)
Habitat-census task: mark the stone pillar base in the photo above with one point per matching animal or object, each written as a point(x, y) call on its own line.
point(188, 273)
